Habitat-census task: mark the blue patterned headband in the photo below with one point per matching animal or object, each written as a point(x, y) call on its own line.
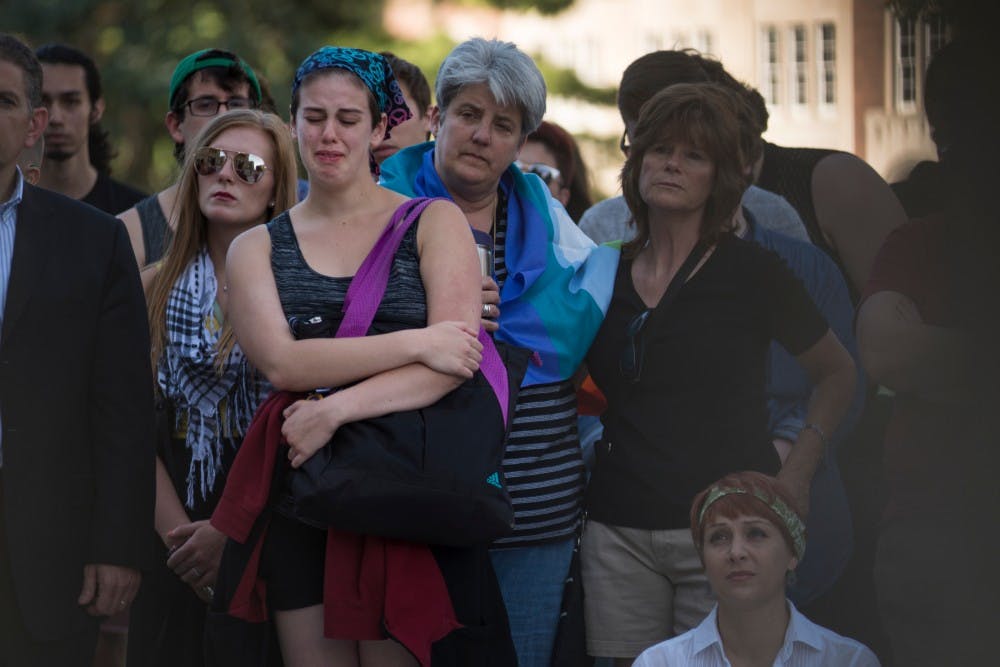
point(373, 70)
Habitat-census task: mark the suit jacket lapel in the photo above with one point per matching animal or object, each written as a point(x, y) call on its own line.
point(29, 259)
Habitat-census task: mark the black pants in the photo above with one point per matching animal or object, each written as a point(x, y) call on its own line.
point(17, 647)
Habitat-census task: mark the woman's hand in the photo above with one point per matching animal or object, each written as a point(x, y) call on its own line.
point(491, 305)
point(309, 425)
point(196, 559)
point(450, 348)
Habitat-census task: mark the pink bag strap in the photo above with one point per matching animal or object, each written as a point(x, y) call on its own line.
point(369, 284)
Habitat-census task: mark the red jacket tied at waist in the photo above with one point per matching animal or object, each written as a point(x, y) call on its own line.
point(371, 585)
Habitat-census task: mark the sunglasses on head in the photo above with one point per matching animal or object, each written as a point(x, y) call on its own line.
point(543, 171)
point(630, 363)
point(248, 167)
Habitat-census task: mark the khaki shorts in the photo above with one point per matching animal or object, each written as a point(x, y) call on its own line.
point(640, 588)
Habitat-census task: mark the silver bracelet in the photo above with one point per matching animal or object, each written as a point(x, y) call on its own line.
point(818, 431)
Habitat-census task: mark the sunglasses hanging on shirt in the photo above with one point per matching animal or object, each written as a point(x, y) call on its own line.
point(630, 362)
point(248, 167)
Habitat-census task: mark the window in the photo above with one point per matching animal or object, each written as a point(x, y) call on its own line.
point(935, 36)
point(703, 41)
point(799, 79)
point(827, 64)
point(906, 64)
point(770, 65)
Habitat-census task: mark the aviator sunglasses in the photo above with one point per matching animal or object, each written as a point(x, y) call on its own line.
point(543, 171)
point(248, 167)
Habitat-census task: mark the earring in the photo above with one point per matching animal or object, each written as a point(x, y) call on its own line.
point(270, 205)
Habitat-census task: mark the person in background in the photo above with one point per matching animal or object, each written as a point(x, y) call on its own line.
point(684, 374)
point(204, 84)
point(30, 161)
point(77, 147)
point(551, 153)
point(76, 457)
point(927, 326)
point(554, 289)
point(749, 539)
point(609, 220)
point(417, 128)
point(239, 171)
point(923, 190)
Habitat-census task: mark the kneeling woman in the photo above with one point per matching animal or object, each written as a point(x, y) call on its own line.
point(300, 265)
point(750, 539)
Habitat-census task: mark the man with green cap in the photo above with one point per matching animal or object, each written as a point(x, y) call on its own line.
point(204, 84)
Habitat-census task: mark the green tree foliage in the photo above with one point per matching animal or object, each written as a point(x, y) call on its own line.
point(137, 44)
point(543, 6)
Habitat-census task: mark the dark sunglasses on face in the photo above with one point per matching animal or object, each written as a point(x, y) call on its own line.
point(630, 363)
point(248, 167)
point(209, 106)
point(543, 171)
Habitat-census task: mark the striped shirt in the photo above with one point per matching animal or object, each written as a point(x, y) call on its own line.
point(542, 463)
point(8, 223)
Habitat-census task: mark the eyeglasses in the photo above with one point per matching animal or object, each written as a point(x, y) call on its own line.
point(543, 171)
point(248, 167)
point(209, 106)
point(624, 144)
point(631, 360)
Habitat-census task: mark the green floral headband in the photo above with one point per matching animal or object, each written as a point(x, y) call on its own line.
point(792, 522)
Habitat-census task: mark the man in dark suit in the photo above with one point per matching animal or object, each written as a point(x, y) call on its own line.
point(76, 451)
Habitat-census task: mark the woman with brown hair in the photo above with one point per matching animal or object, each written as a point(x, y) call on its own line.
point(681, 358)
point(551, 153)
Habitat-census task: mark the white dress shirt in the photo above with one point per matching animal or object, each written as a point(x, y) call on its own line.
point(806, 645)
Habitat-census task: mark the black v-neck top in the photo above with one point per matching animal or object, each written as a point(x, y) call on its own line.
point(699, 410)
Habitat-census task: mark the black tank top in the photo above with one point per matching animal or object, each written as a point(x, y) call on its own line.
point(304, 293)
point(156, 233)
point(788, 172)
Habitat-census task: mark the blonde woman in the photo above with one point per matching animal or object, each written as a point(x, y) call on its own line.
point(238, 174)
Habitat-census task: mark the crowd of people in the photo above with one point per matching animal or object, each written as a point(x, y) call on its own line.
point(692, 453)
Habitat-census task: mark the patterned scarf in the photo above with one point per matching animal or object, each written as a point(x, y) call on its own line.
point(211, 403)
point(559, 283)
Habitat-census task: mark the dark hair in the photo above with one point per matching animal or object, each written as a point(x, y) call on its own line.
point(373, 107)
point(227, 77)
point(416, 83)
point(267, 102)
point(99, 146)
point(651, 73)
point(701, 114)
point(570, 165)
point(15, 52)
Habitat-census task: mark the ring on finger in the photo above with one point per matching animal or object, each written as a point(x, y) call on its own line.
point(196, 572)
point(487, 310)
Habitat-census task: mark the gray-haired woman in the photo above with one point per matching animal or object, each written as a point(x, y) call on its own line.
point(491, 96)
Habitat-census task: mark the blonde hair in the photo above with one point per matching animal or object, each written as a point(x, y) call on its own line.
point(191, 234)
